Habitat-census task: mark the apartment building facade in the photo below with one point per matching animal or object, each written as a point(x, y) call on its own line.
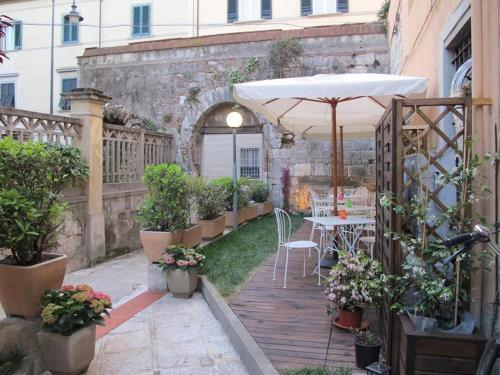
point(25, 78)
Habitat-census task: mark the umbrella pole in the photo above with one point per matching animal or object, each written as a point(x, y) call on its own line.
point(342, 158)
point(333, 104)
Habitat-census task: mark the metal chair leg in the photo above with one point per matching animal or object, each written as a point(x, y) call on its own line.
point(304, 270)
point(276, 263)
point(286, 267)
point(319, 267)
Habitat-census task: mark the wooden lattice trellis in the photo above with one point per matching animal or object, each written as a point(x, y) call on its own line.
point(414, 128)
point(126, 151)
point(27, 126)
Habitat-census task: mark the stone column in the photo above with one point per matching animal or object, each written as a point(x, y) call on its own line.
point(87, 105)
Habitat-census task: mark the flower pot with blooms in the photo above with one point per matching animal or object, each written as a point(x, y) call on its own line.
point(69, 316)
point(181, 266)
point(353, 283)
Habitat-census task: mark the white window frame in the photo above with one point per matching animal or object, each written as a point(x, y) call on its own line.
point(249, 10)
point(12, 78)
point(8, 41)
point(324, 7)
point(142, 34)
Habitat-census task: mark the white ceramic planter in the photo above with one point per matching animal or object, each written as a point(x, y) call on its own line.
point(68, 355)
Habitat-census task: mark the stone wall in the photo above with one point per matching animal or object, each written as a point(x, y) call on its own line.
point(158, 78)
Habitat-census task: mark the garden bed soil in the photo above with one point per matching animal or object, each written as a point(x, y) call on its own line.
point(212, 228)
point(436, 353)
point(21, 287)
point(191, 237)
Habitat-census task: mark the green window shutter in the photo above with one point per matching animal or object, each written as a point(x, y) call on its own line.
point(7, 95)
point(136, 29)
point(266, 9)
point(305, 7)
point(18, 32)
point(343, 6)
point(232, 11)
point(68, 84)
point(146, 19)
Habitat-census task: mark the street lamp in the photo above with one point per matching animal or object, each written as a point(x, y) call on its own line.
point(234, 120)
point(72, 17)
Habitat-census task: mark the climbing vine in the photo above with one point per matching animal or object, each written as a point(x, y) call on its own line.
point(383, 14)
point(240, 76)
point(283, 53)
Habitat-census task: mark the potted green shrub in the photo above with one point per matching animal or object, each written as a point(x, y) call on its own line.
point(165, 210)
point(260, 195)
point(367, 346)
point(353, 283)
point(243, 199)
point(69, 316)
point(192, 233)
point(210, 199)
point(181, 266)
point(32, 176)
point(246, 187)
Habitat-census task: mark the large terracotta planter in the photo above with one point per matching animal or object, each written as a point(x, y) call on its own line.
point(22, 287)
point(229, 217)
point(191, 237)
point(182, 284)
point(67, 355)
point(155, 243)
point(351, 319)
point(212, 228)
point(265, 208)
point(251, 212)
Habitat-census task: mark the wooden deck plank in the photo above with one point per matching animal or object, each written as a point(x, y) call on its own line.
point(291, 325)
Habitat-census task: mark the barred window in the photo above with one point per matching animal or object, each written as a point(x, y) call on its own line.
point(463, 51)
point(250, 163)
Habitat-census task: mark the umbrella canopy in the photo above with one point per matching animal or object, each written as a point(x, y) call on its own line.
point(312, 106)
point(303, 105)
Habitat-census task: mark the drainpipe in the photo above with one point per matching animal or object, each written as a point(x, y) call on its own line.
point(100, 23)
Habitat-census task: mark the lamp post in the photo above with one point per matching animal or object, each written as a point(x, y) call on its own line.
point(72, 17)
point(234, 120)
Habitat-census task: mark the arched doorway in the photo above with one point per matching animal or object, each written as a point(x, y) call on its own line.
point(217, 144)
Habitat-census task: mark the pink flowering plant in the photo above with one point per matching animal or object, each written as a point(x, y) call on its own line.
point(178, 257)
point(71, 308)
point(355, 282)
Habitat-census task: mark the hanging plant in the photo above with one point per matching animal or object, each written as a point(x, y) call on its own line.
point(192, 96)
point(240, 76)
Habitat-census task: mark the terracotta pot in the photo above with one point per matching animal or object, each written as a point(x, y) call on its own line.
point(212, 228)
point(155, 243)
point(22, 287)
point(182, 284)
point(191, 237)
point(351, 319)
point(267, 208)
point(229, 217)
point(68, 355)
point(251, 212)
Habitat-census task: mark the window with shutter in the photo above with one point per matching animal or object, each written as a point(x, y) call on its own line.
point(266, 9)
point(70, 32)
point(67, 85)
point(8, 95)
point(232, 11)
point(13, 37)
point(141, 20)
point(343, 6)
point(306, 7)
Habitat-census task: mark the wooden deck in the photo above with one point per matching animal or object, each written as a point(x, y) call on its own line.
point(291, 325)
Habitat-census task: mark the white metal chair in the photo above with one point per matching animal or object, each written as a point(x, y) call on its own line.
point(284, 229)
point(369, 239)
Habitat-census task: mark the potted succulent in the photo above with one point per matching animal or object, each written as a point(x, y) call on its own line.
point(32, 176)
point(192, 233)
point(260, 195)
point(181, 266)
point(353, 283)
point(227, 185)
point(69, 316)
point(210, 199)
point(245, 187)
point(367, 346)
point(165, 210)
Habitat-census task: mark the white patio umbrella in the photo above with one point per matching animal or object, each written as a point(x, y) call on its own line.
point(313, 106)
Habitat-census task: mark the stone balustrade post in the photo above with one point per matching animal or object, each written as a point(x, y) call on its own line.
point(87, 105)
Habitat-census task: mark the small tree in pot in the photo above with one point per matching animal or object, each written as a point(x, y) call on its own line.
point(32, 176)
point(210, 199)
point(367, 346)
point(243, 199)
point(181, 265)
point(260, 195)
point(70, 315)
point(165, 210)
point(353, 283)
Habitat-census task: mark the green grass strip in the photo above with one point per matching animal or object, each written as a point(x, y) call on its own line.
point(231, 259)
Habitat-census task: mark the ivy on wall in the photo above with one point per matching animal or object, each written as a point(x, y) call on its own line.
point(240, 76)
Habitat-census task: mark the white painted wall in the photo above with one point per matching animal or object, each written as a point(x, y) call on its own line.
point(29, 67)
point(217, 157)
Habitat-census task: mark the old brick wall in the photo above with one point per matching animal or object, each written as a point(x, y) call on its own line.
point(156, 78)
